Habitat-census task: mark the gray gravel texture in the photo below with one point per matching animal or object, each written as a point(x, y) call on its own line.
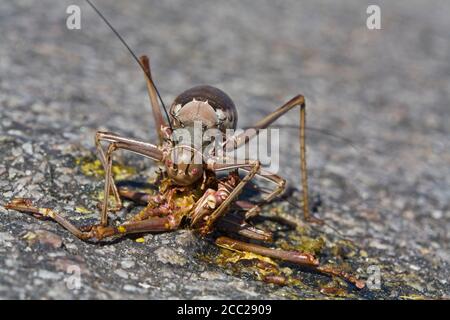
point(387, 90)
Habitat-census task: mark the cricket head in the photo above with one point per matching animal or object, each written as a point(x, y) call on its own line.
point(184, 165)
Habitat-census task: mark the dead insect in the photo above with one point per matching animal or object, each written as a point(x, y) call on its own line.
point(192, 195)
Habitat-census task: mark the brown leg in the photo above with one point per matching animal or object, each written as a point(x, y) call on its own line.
point(276, 179)
point(235, 222)
point(303, 259)
point(26, 205)
point(243, 138)
point(157, 115)
point(118, 201)
point(251, 209)
point(138, 197)
point(239, 140)
point(116, 142)
point(111, 137)
point(253, 166)
point(280, 182)
point(154, 224)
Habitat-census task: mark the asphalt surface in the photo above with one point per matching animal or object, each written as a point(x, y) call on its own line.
point(387, 91)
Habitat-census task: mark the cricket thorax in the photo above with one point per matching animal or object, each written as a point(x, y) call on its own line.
point(208, 105)
point(186, 115)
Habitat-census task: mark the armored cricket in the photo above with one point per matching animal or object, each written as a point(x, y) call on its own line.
point(213, 201)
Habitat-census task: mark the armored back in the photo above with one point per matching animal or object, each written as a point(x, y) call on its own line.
point(211, 106)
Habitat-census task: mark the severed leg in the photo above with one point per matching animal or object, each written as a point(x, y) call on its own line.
point(243, 138)
point(152, 93)
point(303, 259)
point(153, 224)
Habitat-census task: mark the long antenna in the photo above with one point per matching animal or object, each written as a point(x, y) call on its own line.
point(134, 56)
